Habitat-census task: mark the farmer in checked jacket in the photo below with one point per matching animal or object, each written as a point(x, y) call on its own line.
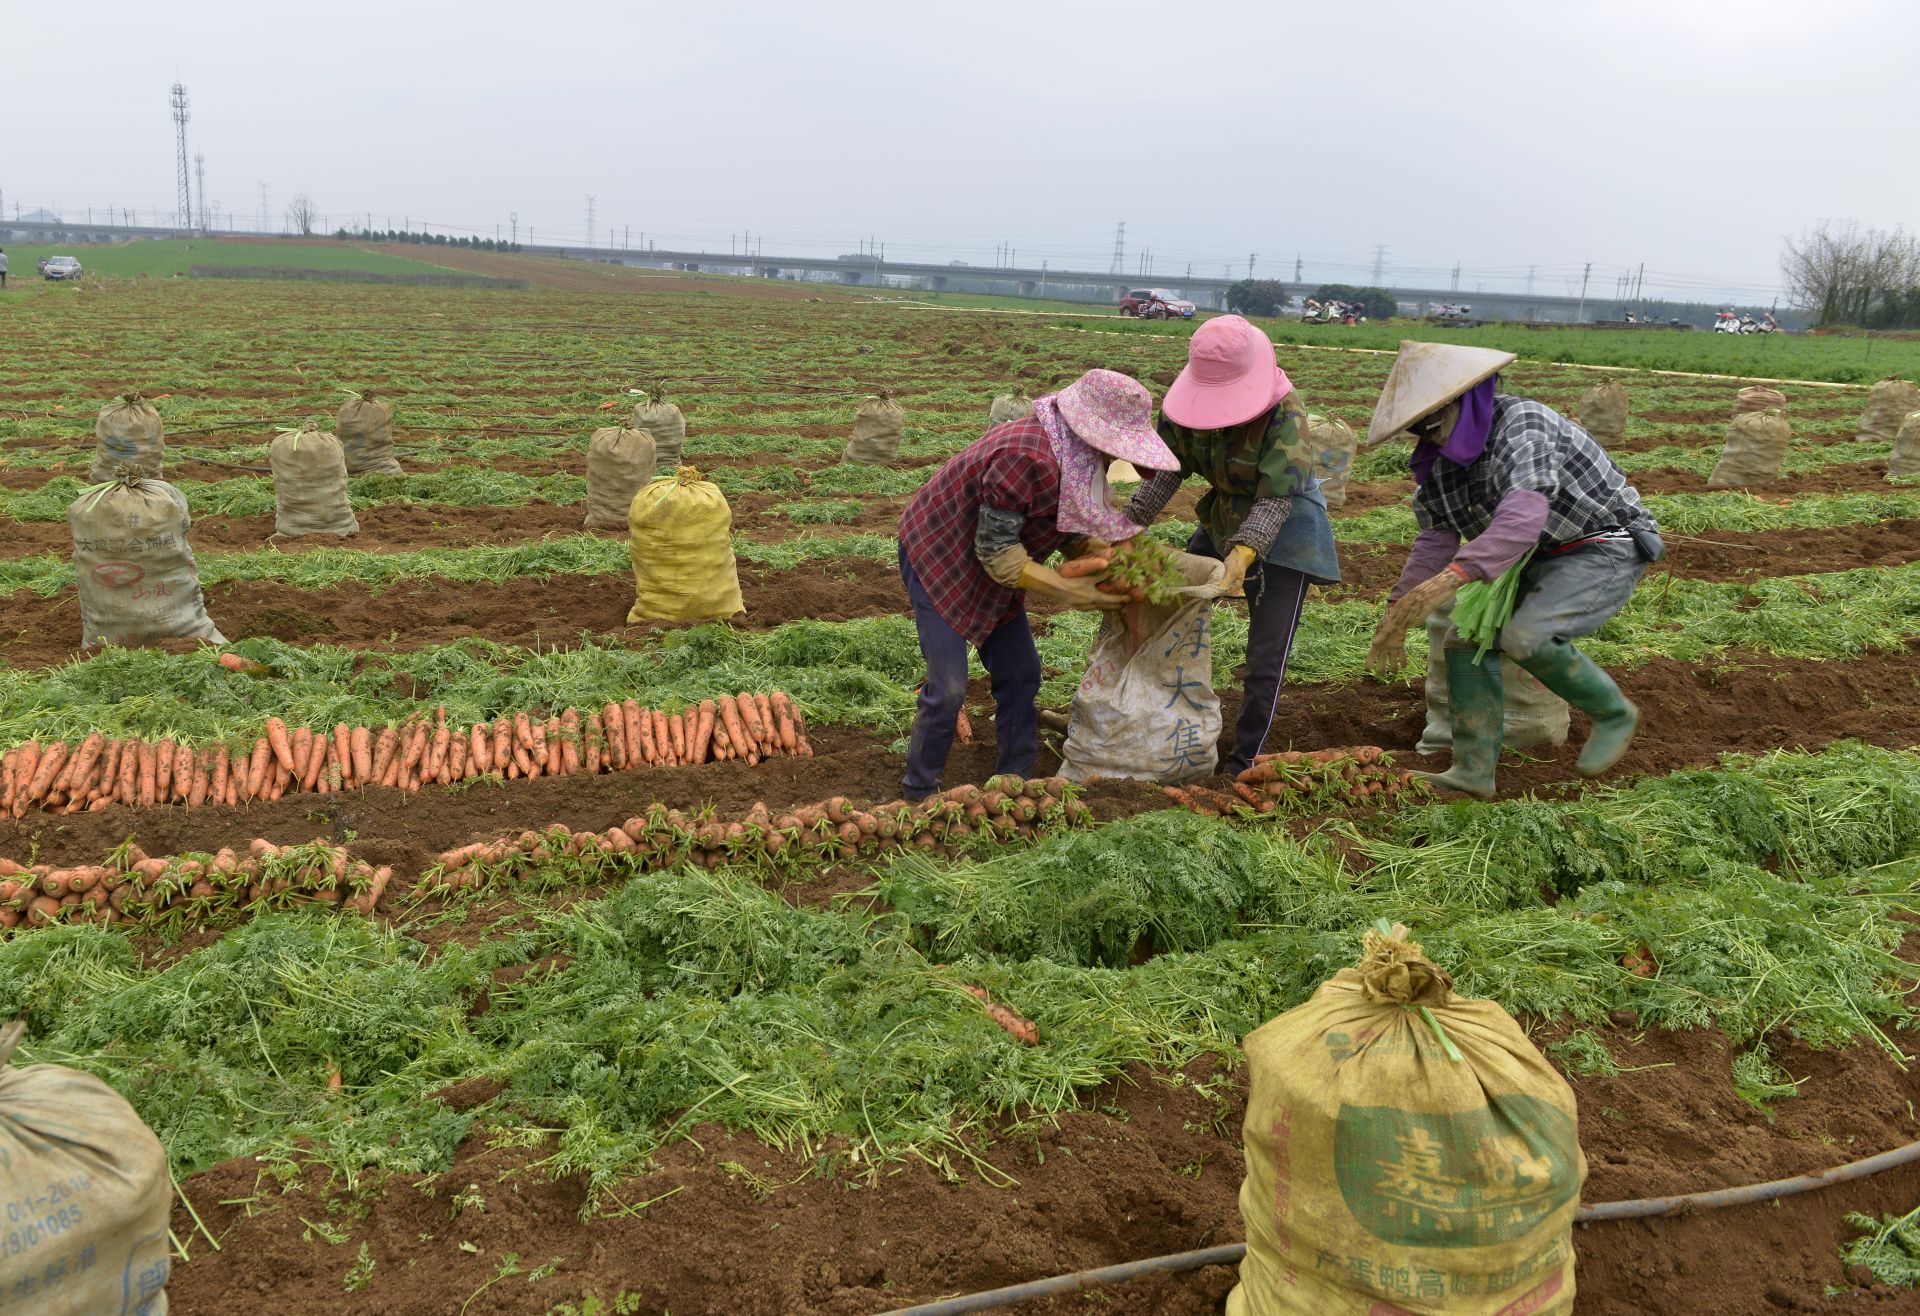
point(972, 542)
point(1530, 492)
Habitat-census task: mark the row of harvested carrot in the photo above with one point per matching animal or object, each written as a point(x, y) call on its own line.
point(1358, 775)
point(134, 887)
point(1006, 808)
point(99, 772)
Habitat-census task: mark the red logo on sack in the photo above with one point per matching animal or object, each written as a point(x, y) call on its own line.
point(119, 575)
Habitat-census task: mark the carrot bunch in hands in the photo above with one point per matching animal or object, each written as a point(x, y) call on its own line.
point(424, 749)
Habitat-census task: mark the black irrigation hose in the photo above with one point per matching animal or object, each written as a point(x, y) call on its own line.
point(1231, 1253)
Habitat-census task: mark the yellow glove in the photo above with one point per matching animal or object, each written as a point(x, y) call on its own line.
point(1079, 593)
point(1239, 558)
point(1388, 652)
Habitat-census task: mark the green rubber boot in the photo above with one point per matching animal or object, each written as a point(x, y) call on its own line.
point(1577, 679)
point(1477, 705)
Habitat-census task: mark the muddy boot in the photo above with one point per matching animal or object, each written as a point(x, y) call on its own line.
point(1577, 679)
point(1478, 707)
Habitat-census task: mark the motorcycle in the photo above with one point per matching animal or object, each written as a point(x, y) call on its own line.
point(1726, 322)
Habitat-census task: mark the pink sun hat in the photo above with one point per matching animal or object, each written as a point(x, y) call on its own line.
point(1232, 375)
point(1114, 414)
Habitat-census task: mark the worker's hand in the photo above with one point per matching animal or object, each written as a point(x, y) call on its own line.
point(1387, 655)
point(1079, 593)
point(1239, 558)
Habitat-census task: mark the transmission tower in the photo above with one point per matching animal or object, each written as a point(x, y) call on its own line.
point(200, 186)
point(1379, 264)
point(265, 197)
point(589, 221)
point(513, 226)
point(1119, 248)
point(184, 203)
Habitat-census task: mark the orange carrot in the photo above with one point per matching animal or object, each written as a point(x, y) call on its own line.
point(593, 739)
point(182, 772)
point(663, 737)
point(570, 756)
point(550, 735)
point(163, 771)
point(86, 759)
point(221, 771)
point(458, 764)
point(677, 733)
point(634, 731)
point(640, 732)
point(1090, 565)
point(360, 740)
point(783, 711)
point(480, 748)
point(770, 731)
point(197, 782)
point(703, 731)
point(281, 744)
point(307, 774)
point(502, 743)
point(750, 718)
point(23, 770)
point(416, 749)
point(255, 785)
point(127, 789)
point(734, 722)
point(302, 750)
point(615, 725)
point(343, 750)
point(45, 770)
point(537, 739)
point(384, 747)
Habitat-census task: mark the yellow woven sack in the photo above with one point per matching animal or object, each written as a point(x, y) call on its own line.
point(681, 542)
point(1408, 1151)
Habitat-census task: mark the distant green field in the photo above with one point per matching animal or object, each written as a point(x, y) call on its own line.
point(165, 257)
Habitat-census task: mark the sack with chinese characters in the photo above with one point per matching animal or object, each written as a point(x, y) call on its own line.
point(877, 429)
point(136, 574)
point(310, 484)
point(1146, 709)
point(1408, 1151)
point(1756, 444)
point(87, 1195)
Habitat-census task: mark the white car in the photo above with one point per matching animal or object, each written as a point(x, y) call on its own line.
point(60, 267)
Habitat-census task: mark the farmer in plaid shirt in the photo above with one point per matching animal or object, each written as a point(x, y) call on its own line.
point(1531, 493)
point(972, 541)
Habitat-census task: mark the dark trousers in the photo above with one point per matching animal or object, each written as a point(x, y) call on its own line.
point(1275, 596)
point(1011, 661)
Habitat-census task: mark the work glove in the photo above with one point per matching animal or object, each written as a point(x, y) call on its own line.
point(1239, 558)
point(1079, 593)
point(1387, 655)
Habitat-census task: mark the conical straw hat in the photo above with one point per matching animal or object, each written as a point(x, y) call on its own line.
point(1427, 376)
point(1122, 472)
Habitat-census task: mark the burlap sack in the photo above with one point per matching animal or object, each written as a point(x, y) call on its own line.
point(1408, 1150)
point(877, 428)
point(1534, 717)
point(1333, 443)
point(87, 1195)
point(667, 428)
point(1603, 413)
point(128, 437)
point(310, 484)
point(1008, 407)
point(682, 550)
point(134, 569)
point(365, 426)
point(1906, 449)
point(1146, 709)
point(1889, 403)
point(1756, 442)
point(620, 463)
point(1758, 399)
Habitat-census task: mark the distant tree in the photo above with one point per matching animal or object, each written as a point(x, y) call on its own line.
point(1378, 302)
point(1257, 297)
point(302, 214)
point(342, 233)
point(1846, 274)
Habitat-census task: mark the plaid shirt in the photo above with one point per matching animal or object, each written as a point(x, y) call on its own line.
point(1532, 446)
point(1010, 467)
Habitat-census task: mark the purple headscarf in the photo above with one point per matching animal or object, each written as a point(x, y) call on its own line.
point(1469, 436)
point(1084, 506)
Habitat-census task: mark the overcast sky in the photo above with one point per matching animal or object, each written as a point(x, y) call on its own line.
point(1686, 134)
